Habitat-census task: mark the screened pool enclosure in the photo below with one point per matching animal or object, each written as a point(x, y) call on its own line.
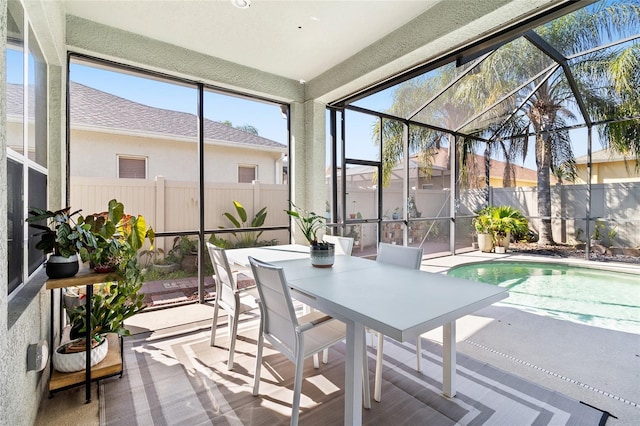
point(506, 125)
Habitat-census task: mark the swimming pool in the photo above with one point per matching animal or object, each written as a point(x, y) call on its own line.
point(595, 297)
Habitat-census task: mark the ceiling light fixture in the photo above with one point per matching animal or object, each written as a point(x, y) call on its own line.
point(241, 4)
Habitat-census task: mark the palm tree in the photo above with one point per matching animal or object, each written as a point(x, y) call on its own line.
point(583, 83)
point(520, 88)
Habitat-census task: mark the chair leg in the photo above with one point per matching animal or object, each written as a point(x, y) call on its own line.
point(297, 389)
point(325, 355)
point(256, 375)
point(377, 392)
point(233, 332)
point(214, 324)
point(316, 363)
point(418, 354)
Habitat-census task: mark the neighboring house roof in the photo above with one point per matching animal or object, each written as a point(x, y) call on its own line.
point(441, 162)
point(93, 108)
point(602, 156)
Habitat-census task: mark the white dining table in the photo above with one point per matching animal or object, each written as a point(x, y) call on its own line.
point(398, 302)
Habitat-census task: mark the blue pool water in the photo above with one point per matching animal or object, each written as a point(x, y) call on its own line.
point(590, 296)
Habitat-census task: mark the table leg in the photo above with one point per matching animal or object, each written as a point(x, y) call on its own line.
point(449, 359)
point(353, 374)
point(87, 372)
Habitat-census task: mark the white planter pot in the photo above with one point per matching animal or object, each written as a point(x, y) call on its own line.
point(504, 241)
point(500, 249)
point(485, 242)
point(77, 361)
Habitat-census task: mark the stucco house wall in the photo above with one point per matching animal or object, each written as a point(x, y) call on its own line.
point(606, 167)
point(173, 159)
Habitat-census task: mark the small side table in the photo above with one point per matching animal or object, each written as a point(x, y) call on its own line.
point(112, 364)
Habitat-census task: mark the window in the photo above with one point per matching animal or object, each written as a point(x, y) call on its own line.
point(247, 174)
point(132, 167)
point(26, 122)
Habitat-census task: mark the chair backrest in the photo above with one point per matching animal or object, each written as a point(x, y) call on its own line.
point(344, 245)
point(278, 316)
point(225, 283)
point(408, 257)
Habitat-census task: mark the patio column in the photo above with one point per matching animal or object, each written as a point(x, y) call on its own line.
point(308, 157)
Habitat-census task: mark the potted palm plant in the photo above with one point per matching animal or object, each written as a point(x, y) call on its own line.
point(322, 254)
point(482, 225)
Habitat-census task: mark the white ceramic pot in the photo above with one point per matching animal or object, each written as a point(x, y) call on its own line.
point(485, 242)
point(77, 361)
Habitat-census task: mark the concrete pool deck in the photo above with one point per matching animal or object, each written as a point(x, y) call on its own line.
point(598, 366)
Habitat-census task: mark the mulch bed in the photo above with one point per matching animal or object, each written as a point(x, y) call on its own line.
point(597, 253)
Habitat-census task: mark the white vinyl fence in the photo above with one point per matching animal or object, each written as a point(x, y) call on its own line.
point(172, 206)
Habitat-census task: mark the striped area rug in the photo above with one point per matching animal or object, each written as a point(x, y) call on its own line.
point(181, 380)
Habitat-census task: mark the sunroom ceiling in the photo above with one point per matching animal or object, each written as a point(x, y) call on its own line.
point(340, 43)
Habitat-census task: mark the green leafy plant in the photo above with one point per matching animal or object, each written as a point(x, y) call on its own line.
point(111, 305)
point(61, 235)
point(500, 221)
point(120, 238)
point(248, 238)
point(482, 222)
point(613, 232)
point(308, 222)
point(598, 231)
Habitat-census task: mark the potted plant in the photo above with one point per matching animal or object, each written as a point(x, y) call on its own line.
point(482, 225)
point(507, 221)
point(62, 238)
point(498, 223)
point(322, 253)
point(186, 250)
point(121, 236)
point(158, 261)
point(598, 233)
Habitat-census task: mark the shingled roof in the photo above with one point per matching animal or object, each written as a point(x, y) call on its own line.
point(94, 108)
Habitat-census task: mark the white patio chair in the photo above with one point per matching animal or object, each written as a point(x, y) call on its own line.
point(229, 298)
point(408, 257)
point(297, 338)
point(344, 245)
